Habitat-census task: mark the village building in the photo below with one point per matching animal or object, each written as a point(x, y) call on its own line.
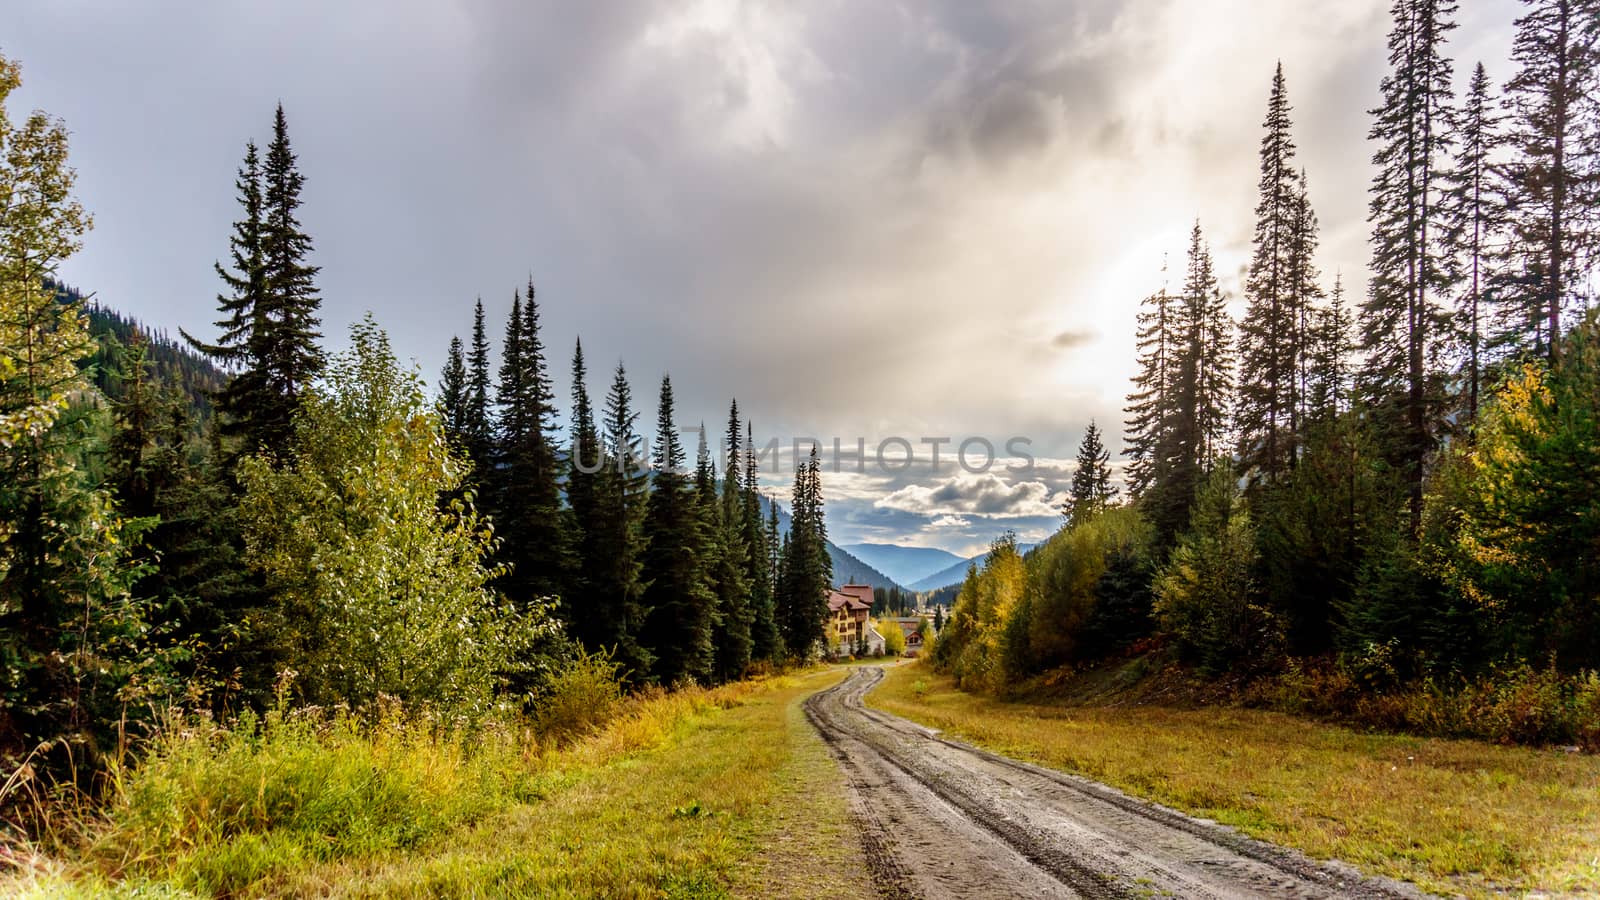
point(849, 612)
point(911, 628)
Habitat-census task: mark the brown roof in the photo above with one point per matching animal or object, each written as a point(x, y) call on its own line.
point(850, 602)
point(862, 592)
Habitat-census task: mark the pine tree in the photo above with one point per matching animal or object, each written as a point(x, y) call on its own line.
point(528, 511)
point(775, 552)
point(1329, 389)
point(1305, 297)
point(736, 592)
point(765, 643)
point(585, 464)
point(241, 346)
point(478, 428)
point(209, 618)
point(269, 325)
point(292, 358)
point(724, 558)
point(1152, 394)
point(621, 500)
point(681, 606)
point(1402, 323)
point(1554, 100)
point(1476, 220)
point(1193, 428)
point(806, 571)
point(453, 395)
point(1091, 489)
point(1271, 334)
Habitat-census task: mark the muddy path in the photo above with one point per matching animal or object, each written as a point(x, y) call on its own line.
point(943, 819)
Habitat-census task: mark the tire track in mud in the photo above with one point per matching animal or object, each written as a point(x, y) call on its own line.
point(942, 819)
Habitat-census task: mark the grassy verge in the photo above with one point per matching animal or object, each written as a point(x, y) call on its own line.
point(1454, 816)
point(693, 794)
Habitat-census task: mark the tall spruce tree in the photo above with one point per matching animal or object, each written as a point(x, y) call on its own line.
point(1402, 321)
point(736, 600)
point(1152, 387)
point(1476, 218)
point(1193, 427)
point(724, 560)
point(1554, 99)
point(293, 359)
point(765, 643)
point(622, 489)
point(681, 606)
point(1271, 333)
point(269, 325)
point(1091, 489)
point(775, 541)
point(585, 461)
point(453, 395)
point(806, 570)
point(241, 346)
point(530, 523)
point(478, 428)
point(1305, 296)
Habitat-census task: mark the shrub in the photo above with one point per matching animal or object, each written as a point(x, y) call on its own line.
point(579, 697)
point(1518, 704)
point(894, 639)
point(385, 592)
point(1206, 594)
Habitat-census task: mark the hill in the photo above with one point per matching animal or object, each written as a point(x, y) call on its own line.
point(903, 564)
point(172, 363)
point(953, 574)
point(846, 565)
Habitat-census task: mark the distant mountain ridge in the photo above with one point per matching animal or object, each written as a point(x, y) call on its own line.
point(955, 573)
point(846, 565)
point(903, 564)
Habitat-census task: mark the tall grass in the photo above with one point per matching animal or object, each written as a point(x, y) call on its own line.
point(231, 810)
point(217, 809)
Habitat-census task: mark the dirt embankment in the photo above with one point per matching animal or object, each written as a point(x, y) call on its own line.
point(942, 819)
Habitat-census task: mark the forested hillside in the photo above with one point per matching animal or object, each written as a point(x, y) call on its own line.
point(243, 519)
point(1378, 506)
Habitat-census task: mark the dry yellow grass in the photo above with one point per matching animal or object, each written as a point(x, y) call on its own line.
point(1454, 816)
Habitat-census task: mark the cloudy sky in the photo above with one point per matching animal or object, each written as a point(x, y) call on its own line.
point(864, 219)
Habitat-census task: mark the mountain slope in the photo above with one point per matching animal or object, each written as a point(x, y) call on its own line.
point(845, 564)
point(903, 564)
point(953, 574)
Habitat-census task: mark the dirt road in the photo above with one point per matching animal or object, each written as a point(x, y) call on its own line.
point(942, 819)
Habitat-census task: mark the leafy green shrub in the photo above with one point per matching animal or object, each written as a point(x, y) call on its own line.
point(579, 697)
point(384, 592)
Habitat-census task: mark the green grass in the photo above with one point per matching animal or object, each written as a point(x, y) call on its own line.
point(1455, 816)
point(692, 794)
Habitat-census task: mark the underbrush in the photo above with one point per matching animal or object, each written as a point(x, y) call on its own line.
point(1517, 704)
point(225, 810)
point(1510, 704)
